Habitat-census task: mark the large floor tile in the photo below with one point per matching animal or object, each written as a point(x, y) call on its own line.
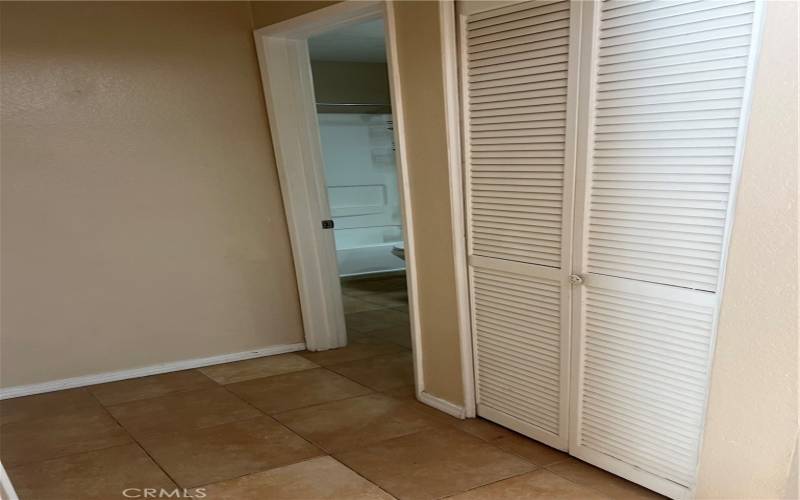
point(375, 320)
point(150, 387)
point(537, 485)
point(296, 390)
point(44, 405)
point(531, 450)
point(76, 431)
point(433, 464)
point(353, 304)
point(512, 442)
point(321, 478)
point(202, 456)
point(375, 284)
point(392, 298)
point(228, 373)
point(355, 422)
point(589, 475)
point(405, 393)
point(351, 352)
point(397, 334)
point(483, 429)
point(181, 411)
point(438, 415)
point(103, 474)
point(380, 372)
point(353, 291)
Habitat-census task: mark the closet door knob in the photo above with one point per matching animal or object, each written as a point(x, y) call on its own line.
point(575, 279)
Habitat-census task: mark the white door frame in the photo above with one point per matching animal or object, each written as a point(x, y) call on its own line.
point(286, 76)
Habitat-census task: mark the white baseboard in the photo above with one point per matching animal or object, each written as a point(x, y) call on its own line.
point(6, 488)
point(100, 378)
point(441, 404)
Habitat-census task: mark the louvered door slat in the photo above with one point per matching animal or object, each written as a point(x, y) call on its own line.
point(518, 340)
point(667, 90)
point(694, 97)
point(523, 68)
point(515, 67)
point(643, 368)
point(521, 44)
point(664, 84)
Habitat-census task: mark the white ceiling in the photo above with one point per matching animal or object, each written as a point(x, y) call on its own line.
point(362, 42)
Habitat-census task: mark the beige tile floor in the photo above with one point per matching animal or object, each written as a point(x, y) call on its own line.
point(339, 424)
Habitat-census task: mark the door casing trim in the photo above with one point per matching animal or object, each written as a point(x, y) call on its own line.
point(283, 55)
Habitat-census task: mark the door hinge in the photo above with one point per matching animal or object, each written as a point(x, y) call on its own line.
point(327, 224)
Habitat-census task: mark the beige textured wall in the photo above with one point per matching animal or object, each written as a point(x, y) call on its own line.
point(141, 214)
point(752, 418)
point(420, 63)
point(351, 82)
point(273, 11)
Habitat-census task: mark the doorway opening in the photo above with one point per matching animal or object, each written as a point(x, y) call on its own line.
point(356, 126)
point(333, 99)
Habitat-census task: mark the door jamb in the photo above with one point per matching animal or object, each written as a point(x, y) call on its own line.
point(286, 76)
point(452, 91)
point(398, 116)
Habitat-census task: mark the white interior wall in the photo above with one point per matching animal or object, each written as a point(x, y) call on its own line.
point(362, 190)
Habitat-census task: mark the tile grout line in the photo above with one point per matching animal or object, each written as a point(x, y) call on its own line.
point(362, 385)
point(272, 417)
point(170, 393)
point(67, 455)
point(535, 469)
point(262, 415)
point(586, 485)
point(108, 413)
point(383, 305)
point(136, 442)
point(205, 485)
point(373, 444)
point(141, 446)
point(362, 476)
point(373, 392)
point(171, 478)
point(535, 466)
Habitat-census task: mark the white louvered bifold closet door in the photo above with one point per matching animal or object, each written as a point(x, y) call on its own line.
point(666, 115)
point(517, 86)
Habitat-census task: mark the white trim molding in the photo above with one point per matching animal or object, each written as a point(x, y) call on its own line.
point(442, 404)
point(187, 364)
point(447, 28)
point(7, 491)
point(398, 116)
point(286, 76)
point(296, 31)
point(326, 19)
point(289, 96)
